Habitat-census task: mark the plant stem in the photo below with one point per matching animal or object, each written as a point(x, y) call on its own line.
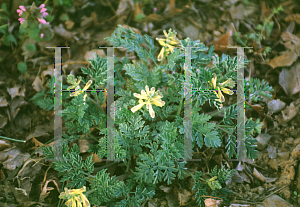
point(221, 111)
point(45, 2)
point(19, 47)
point(225, 130)
point(26, 160)
point(99, 107)
point(225, 126)
point(128, 165)
point(179, 108)
point(16, 140)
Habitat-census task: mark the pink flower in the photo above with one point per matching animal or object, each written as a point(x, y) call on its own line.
point(21, 20)
point(42, 6)
point(22, 8)
point(43, 10)
point(42, 21)
point(20, 12)
point(42, 35)
point(45, 14)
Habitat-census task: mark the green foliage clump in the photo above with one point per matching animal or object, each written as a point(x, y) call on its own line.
point(151, 147)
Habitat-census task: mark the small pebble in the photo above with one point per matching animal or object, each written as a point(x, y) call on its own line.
point(275, 106)
point(260, 190)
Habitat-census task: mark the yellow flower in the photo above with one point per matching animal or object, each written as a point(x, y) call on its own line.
point(228, 83)
point(76, 93)
point(75, 196)
point(75, 84)
point(151, 97)
point(167, 44)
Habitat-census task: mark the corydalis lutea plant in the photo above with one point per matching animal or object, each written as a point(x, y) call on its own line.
point(151, 140)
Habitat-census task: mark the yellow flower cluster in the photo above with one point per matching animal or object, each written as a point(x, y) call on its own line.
point(77, 87)
point(151, 97)
point(167, 44)
point(229, 83)
point(75, 196)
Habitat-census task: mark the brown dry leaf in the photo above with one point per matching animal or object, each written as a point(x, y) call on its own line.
point(37, 144)
point(101, 35)
point(258, 108)
point(42, 130)
point(69, 24)
point(37, 84)
point(83, 145)
point(153, 18)
point(137, 12)
point(172, 198)
point(288, 6)
point(48, 72)
point(290, 79)
point(96, 158)
point(240, 177)
point(28, 53)
point(15, 107)
point(16, 91)
point(171, 9)
point(2, 175)
point(166, 189)
point(265, 124)
point(12, 158)
point(85, 21)
point(265, 11)
point(90, 54)
point(258, 175)
point(135, 30)
point(4, 145)
point(288, 113)
point(184, 196)
point(3, 101)
point(273, 164)
point(293, 17)
point(62, 32)
point(292, 41)
point(123, 11)
point(209, 202)
point(221, 44)
point(3, 121)
point(240, 11)
point(44, 192)
point(21, 195)
point(287, 58)
point(28, 173)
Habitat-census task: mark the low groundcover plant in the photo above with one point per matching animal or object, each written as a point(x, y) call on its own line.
point(150, 138)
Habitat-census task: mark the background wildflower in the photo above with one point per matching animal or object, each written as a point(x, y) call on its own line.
point(42, 21)
point(20, 12)
point(22, 8)
point(44, 14)
point(21, 20)
point(43, 10)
